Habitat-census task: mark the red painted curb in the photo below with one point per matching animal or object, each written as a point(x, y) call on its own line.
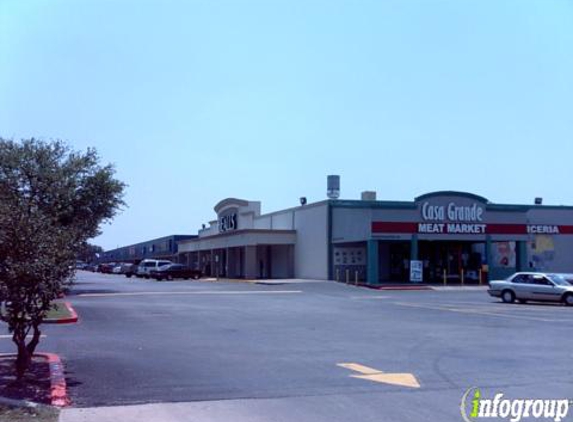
point(58, 387)
point(69, 320)
point(59, 393)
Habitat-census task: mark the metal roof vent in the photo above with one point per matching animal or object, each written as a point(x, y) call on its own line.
point(333, 187)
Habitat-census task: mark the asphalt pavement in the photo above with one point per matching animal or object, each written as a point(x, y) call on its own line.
point(214, 351)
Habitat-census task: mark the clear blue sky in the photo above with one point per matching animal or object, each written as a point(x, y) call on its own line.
point(195, 101)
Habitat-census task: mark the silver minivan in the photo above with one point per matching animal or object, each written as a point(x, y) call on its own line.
point(147, 265)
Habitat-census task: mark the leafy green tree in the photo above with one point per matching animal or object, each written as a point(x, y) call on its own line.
point(52, 199)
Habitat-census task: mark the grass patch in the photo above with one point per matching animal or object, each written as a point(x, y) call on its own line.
point(59, 310)
point(27, 414)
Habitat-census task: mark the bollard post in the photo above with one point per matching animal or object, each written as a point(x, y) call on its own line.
point(356, 277)
point(338, 274)
point(480, 275)
point(347, 276)
point(445, 277)
point(463, 278)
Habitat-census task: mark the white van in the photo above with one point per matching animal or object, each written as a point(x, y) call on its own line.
point(147, 265)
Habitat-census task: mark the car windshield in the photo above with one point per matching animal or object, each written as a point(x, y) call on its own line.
point(561, 279)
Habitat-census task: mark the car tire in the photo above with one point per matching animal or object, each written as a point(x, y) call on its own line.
point(507, 296)
point(128, 275)
point(568, 299)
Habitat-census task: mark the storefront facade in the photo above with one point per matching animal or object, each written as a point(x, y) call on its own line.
point(454, 235)
point(451, 236)
point(242, 243)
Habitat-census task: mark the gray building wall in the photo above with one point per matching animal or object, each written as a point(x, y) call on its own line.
point(281, 258)
point(311, 250)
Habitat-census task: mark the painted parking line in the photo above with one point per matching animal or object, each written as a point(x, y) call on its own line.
point(475, 312)
point(533, 306)
point(9, 336)
point(534, 310)
point(504, 307)
point(369, 297)
point(206, 292)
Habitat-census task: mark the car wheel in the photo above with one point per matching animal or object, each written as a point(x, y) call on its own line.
point(568, 299)
point(508, 296)
point(128, 275)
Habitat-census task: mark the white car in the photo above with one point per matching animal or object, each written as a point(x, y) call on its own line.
point(539, 287)
point(147, 265)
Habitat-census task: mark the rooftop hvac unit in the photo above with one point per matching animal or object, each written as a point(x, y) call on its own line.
point(368, 195)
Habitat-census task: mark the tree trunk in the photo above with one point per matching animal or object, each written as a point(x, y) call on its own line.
point(35, 339)
point(24, 358)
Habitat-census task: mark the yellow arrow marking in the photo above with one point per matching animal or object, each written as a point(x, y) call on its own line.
point(360, 368)
point(371, 374)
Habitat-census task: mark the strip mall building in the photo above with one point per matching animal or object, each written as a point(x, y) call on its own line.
point(446, 234)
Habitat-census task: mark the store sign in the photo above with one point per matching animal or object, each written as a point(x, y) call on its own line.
point(452, 212)
point(228, 223)
point(452, 228)
point(469, 229)
point(542, 229)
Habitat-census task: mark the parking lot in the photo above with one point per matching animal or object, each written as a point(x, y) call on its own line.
point(296, 349)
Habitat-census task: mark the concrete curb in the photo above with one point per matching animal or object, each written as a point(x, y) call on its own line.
point(22, 403)
point(422, 287)
point(58, 387)
point(395, 287)
point(70, 320)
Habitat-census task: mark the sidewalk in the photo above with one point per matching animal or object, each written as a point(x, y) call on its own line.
point(460, 288)
point(269, 281)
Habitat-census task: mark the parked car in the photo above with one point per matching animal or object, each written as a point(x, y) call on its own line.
point(117, 269)
point(128, 269)
point(106, 268)
point(92, 267)
point(543, 287)
point(173, 271)
point(147, 265)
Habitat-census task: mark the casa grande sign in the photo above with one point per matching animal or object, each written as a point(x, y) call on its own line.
point(453, 213)
point(452, 219)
